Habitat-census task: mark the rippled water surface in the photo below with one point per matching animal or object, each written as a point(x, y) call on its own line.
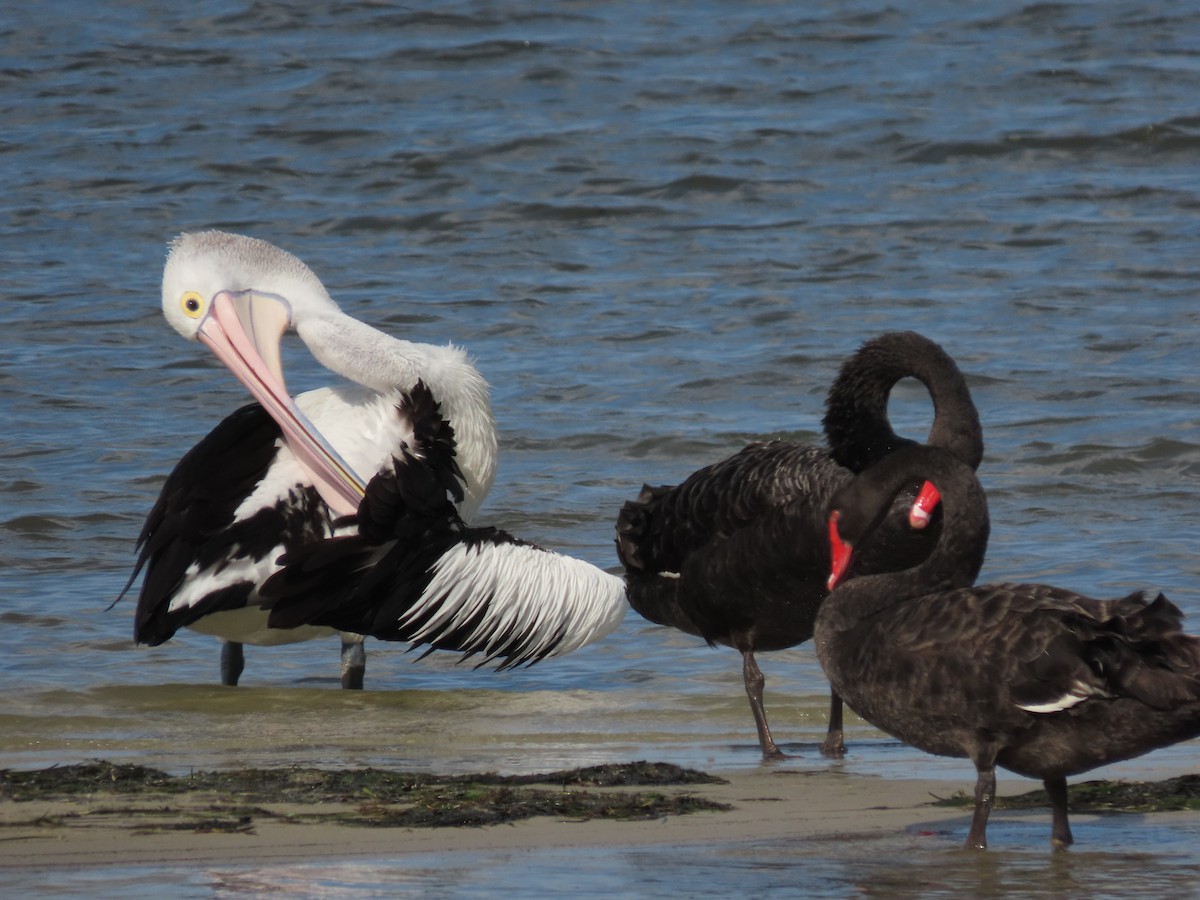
point(658, 228)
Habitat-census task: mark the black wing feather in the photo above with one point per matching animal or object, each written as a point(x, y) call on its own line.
point(191, 523)
point(368, 582)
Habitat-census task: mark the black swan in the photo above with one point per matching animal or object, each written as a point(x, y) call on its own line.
point(1039, 680)
point(738, 553)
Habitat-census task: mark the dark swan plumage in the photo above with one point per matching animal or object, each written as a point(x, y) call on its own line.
point(1036, 679)
point(737, 554)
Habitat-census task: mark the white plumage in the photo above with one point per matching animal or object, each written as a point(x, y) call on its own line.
point(566, 602)
point(275, 477)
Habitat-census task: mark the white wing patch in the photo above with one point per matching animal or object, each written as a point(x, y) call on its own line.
point(1077, 694)
point(519, 601)
point(197, 585)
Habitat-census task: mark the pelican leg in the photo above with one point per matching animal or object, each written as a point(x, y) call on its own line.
point(835, 743)
point(233, 661)
point(754, 680)
point(354, 661)
point(985, 796)
point(1060, 832)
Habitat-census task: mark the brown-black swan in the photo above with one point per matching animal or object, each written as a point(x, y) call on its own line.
point(1036, 679)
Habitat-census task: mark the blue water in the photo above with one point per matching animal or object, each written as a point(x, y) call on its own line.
point(658, 228)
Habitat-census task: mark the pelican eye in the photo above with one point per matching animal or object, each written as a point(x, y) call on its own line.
point(192, 304)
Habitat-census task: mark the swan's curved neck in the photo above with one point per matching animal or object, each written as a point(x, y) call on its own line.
point(856, 420)
point(955, 419)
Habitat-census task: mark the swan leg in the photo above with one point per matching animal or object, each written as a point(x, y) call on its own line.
point(835, 743)
point(1060, 832)
point(354, 661)
point(985, 796)
point(233, 661)
point(754, 680)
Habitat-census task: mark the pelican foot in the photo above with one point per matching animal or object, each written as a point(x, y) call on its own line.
point(233, 661)
point(354, 665)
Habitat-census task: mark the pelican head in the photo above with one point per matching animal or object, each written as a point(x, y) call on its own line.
point(209, 263)
point(238, 296)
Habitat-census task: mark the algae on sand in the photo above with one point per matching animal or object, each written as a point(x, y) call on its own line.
point(233, 800)
point(1171, 794)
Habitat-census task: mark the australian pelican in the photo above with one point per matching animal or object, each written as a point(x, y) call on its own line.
point(280, 473)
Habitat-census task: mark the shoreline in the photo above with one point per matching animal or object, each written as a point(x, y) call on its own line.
point(765, 805)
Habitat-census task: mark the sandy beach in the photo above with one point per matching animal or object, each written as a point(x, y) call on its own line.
point(782, 831)
point(764, 805)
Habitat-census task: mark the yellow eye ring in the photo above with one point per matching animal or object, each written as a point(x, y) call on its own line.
point(192, 305)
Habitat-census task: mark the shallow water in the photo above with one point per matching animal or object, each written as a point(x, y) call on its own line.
point(658, 229)
point(918, 863)
point(912, 865)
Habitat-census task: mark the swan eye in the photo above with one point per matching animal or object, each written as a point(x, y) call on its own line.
point(192, 304)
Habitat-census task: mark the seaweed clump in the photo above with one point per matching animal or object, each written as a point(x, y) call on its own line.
point(1171, 794)
point(234, 800)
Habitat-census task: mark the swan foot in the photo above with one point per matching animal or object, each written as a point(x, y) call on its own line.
point(834, 746)
point(1060, 831)
point(985, 796)
point(770, 752)
point(753, 678)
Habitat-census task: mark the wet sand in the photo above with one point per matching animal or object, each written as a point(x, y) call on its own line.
point(764, 805)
